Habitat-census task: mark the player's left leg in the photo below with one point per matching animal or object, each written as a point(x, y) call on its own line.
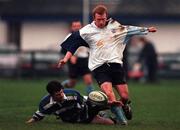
point(122, 90)
point(88, 82)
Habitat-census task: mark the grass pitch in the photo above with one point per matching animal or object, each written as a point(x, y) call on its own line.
point(155, 107)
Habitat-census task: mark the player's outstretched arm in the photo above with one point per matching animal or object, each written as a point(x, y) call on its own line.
point(31, 120)
point(38, 116)
point(134, 30)
point(63, 61)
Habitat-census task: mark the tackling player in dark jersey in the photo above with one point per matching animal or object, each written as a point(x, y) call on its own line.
point(69, 106)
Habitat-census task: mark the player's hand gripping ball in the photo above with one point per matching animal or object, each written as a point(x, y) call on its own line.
point(98, 98)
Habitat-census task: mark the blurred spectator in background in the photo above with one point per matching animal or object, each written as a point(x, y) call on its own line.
point(78, 64)
point(148, 59)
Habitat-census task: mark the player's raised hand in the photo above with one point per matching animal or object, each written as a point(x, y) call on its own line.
point(64, 60)
point(152, 29)
point(61, 63)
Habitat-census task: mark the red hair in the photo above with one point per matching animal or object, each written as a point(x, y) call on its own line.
point(100, 9)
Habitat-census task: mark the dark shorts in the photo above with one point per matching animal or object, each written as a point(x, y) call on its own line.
point(110, 72)
point(78, 69)
point(83, 115)
point(92, 111)
point(91, 114)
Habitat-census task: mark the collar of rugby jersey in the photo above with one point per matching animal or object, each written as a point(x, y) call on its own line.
point(53, 102)
point(94, 25)
point(108, 22)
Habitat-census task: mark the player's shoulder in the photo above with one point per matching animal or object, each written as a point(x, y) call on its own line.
point(86, 29)
point(67, 37)
point(112, 23)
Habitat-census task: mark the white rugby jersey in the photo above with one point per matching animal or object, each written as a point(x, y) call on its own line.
point(82, 51)
point(106, 45)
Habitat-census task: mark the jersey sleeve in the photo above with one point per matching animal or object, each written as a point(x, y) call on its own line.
point(44, 109)
point(73, 42)
point(38, 115)
point(134, 30)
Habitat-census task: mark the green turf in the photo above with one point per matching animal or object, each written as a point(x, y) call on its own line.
point(155, 106)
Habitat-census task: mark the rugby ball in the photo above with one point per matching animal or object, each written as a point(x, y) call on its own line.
point(98, 98)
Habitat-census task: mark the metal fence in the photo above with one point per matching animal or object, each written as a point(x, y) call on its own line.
point(44, 64)
point(29, 64)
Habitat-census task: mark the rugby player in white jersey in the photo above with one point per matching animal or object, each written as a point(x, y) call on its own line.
point(78, 64)
point(106, 39)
